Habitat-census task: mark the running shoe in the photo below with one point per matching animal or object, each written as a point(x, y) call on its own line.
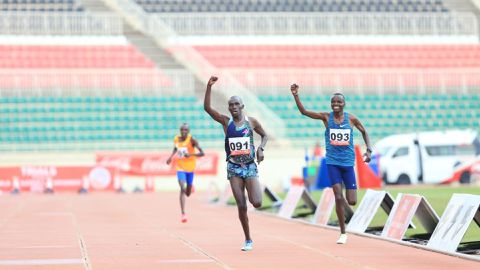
point(248, 245)
point(184, 218)
point(343, 239)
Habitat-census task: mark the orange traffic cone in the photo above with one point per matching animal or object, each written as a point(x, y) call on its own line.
point(366, 177)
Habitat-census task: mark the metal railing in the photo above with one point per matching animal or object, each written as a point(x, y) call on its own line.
point(200, 24)
point(128, 82)
point(358, 81)
point(60, 23)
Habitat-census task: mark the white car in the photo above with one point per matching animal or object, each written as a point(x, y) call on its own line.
point(425, 157)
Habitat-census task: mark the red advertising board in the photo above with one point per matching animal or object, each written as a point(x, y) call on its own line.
point(401, 216)
point(153, 163)
point(63, 178)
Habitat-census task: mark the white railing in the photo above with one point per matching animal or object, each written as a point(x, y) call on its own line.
point(200, 24)
point(61, 23)
point(96, 82)
point(358, 81)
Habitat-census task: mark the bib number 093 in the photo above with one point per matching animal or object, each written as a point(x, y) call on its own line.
point(339, 136)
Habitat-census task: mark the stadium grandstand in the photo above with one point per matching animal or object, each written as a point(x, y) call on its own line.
point(123, 74)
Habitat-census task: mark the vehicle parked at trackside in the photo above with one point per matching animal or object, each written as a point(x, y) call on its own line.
point(425, 157)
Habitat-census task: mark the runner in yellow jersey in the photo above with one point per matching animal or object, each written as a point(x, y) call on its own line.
point(184, 149)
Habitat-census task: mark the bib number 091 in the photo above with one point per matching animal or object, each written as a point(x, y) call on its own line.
point(239, 146)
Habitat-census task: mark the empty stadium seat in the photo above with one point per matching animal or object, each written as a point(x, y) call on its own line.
point(381, 115)
point(52, 56)
point(42, 5)
point(272, 65)
point(342, 56)
point(54, 119)
point(160, 6)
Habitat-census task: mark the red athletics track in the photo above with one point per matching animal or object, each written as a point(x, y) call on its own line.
point(142, 231)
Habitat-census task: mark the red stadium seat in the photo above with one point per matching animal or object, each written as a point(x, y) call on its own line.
point(50, 56)
point(342, 56)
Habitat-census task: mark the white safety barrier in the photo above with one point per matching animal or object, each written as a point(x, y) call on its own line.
point(324, 207)
point(294, 195)
point(367, 209)
point(405, 208)
point(461, 210)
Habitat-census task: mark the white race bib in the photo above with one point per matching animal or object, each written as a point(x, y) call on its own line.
point(339, 137)
point(182, 151)
point(239, 146)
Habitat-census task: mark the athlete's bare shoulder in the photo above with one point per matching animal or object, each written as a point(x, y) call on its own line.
point(193, 141)
point(253, 121)
point(324, 115)
point(353, 118)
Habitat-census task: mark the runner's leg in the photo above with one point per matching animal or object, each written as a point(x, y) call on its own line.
point(189, 179)
point(254, 191)
point(181, 182)
point(238, 189)
point(339, 206)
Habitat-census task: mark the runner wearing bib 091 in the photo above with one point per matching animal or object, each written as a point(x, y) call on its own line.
point(340, 156)
point(241, 167)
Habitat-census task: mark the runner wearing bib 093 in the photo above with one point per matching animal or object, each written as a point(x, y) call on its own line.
point(340, 156)
point(241, 168)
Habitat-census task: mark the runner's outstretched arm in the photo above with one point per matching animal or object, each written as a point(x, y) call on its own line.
point(259, 130)
point(220, 118)
point(200, 150)
point(315, 115)
point(169, 160)
point(356, 122)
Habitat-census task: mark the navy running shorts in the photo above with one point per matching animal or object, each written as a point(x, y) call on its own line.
point(345, 174)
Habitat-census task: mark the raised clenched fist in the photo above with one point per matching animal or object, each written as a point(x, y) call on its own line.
point(294, 89)
point(212, 80)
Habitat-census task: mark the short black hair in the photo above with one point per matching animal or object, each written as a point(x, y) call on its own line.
point(338, 94)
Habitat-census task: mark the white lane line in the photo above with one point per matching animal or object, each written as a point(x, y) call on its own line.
point(41, 262)
point(87, 264)
point(187, 261)
point(53, 214)
point(182, 240)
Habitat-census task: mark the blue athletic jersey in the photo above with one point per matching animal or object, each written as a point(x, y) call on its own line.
point(239, 142)
point(339, 142)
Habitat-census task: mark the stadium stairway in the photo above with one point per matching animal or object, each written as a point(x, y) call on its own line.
point(463, 6)
point(147, 45)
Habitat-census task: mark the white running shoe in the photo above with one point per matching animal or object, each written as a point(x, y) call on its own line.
point(248, 245)
point(343, 239)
